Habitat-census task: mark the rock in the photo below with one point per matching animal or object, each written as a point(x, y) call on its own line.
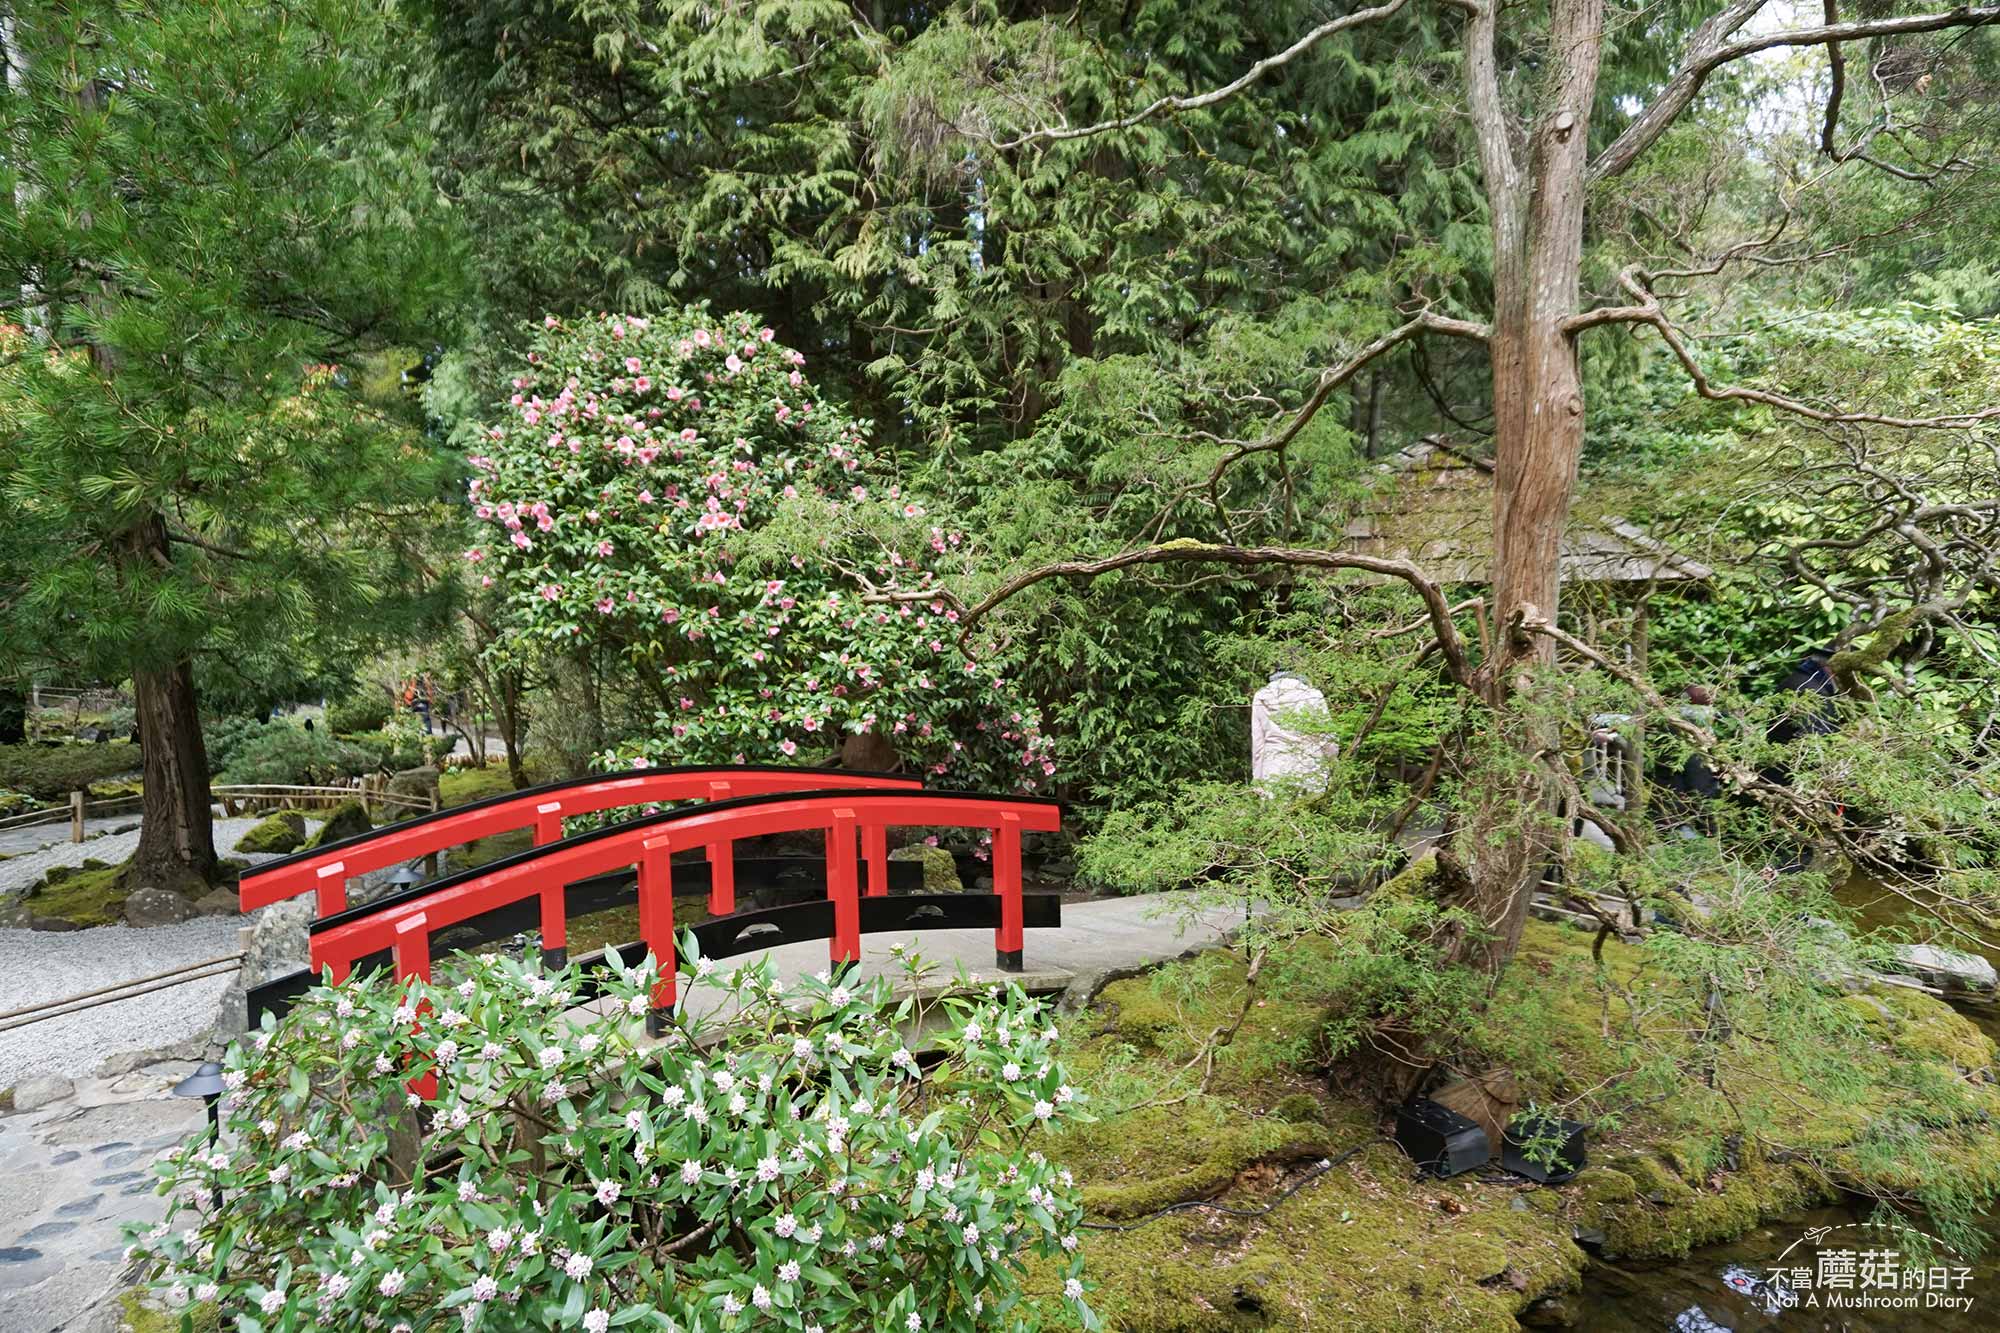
point(349, 819)
point(31, 1094)
point(276, 834)
point(276, 945)
point(148, 906)
point(217, 902)
point(419, 782)
point(1948, 970)
point(940, 870)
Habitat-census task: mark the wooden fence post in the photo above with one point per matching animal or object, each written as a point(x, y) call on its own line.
point(76, 816)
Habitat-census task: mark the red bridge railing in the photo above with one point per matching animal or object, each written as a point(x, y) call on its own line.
point(405, 925)
point(327, 870)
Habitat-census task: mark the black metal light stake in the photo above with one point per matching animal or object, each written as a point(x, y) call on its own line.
point(206, 1083)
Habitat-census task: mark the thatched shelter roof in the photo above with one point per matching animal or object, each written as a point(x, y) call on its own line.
point(1435, 507)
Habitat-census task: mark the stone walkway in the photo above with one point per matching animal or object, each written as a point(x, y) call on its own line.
point(76, 1170)
point(76, 1167)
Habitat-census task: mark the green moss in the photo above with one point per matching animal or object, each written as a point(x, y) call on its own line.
point(940, 870)
point(1921, 1025)
point(347, 819)
point(275, 834)
point(1359, 1248)
point(462, 786)
point(86, 897)
point(145, 1319)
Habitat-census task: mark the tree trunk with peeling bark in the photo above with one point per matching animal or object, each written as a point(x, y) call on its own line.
point(1538, 408)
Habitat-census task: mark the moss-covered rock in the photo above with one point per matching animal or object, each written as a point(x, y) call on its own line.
point(462, 786)
point(348, 819)
point(89, 895)
point(940, 870)
point(275, 834)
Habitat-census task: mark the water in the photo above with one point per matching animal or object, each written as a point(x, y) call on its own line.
point(1724, 1286)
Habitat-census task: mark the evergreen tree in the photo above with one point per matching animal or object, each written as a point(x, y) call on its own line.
point(214, 216)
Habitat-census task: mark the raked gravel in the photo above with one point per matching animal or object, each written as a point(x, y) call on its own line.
point(37, 966)
point(18, 872)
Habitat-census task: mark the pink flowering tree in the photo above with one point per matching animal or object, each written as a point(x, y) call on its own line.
point(671, 491)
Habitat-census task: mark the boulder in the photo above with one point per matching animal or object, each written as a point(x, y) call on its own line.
point(218, 902)
point(148, 906)
point(940, 870)
point(418, 782)
point(274, 946)
point(348, 819)
point(31, 1094)
point(1948, 970)
point(275, 835)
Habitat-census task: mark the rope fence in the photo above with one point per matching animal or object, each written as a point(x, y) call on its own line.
point(124, 990)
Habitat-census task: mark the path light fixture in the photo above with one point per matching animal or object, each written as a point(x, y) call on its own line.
point(405, 876)
point(206, 1083)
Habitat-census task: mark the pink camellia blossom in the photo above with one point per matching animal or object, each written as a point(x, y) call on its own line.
point(671, 614)
point(604, 605)
point(733, 362)
point(765, 335)
point(701, 338)
point(604, 548)
point(549, 321)
point(521, 540)
point(789, 747)
point(551, 591)
point(632, 365)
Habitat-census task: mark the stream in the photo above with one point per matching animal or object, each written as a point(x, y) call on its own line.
point(1727, 1286)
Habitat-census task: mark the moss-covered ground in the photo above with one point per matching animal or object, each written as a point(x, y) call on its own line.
point(1369, 1244)
point(92, 894)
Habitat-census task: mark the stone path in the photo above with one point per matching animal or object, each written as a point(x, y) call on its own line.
point(75, 1171)
point(76, 1168)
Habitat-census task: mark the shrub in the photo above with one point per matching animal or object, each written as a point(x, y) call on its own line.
point(51, 772)
point(672, 492)
point(390, 750)
point(799, 1172)
point(224, 737)
point(368, 709)
point(283, 753)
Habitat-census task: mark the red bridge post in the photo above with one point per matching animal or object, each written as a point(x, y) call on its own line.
point(656, 926)
point(1007, 883)
point(841, 873)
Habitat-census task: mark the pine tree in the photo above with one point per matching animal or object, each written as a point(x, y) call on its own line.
point(213, 209)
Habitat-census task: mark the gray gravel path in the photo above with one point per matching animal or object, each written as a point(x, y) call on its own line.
point(40, 965)
point(21, 871)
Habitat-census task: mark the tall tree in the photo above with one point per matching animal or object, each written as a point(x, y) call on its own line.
point(213, 206)
point(1547, 143)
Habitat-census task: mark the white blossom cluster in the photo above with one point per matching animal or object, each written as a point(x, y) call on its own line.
point(801, 1168)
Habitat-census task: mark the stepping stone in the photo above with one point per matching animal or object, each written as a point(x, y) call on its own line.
point(64, 1158)
point(13, 1254)
point(128, 1158)
point(80, 1207)
point(120, 1178)
point(49, 1231)
point(111, 1147)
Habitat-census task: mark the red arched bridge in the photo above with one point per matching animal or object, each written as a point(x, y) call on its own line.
point(558, 878)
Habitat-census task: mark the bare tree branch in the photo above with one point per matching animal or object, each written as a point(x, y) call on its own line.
point(1710, 50)
point(1439, 609)
point(1257, 71)
point(1647, 310)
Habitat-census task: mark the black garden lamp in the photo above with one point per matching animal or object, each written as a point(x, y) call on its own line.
point(206, 1083)
point(405, 876)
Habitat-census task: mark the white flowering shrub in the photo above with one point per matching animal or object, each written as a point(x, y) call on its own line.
point(795, 1169)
